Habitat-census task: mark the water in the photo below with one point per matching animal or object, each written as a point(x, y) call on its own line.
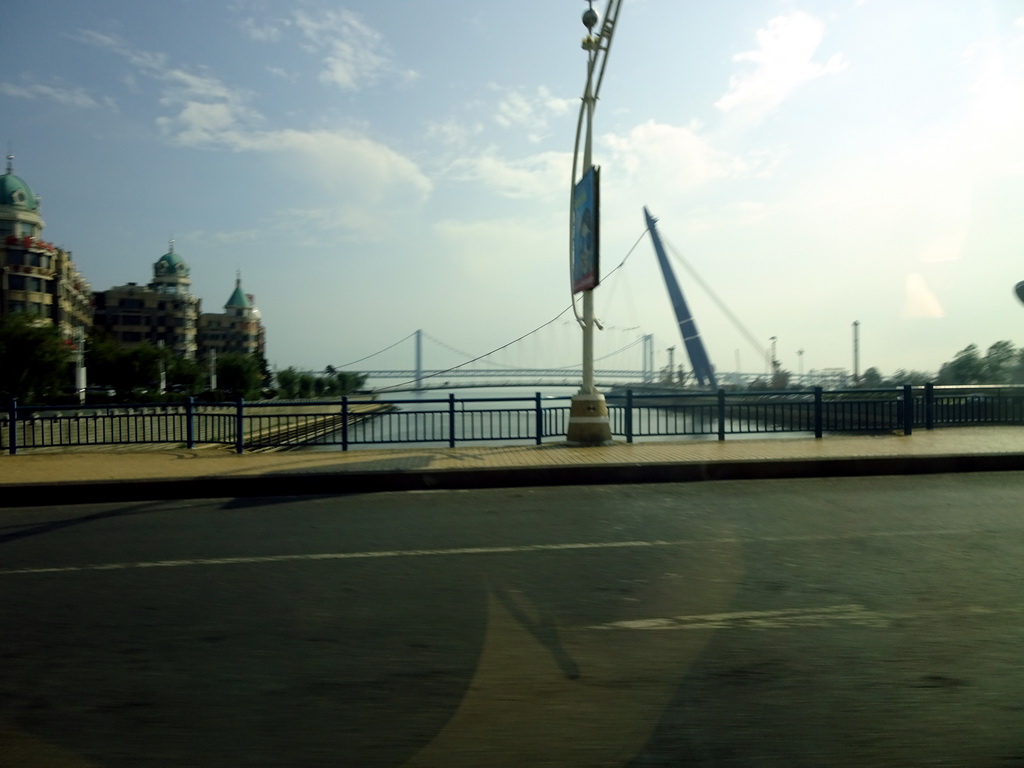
point(430, 402)
point(519, 401)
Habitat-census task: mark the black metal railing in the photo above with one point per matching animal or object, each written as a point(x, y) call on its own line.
point(633, 415)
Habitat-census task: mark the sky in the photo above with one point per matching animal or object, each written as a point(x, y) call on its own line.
point(375, 167)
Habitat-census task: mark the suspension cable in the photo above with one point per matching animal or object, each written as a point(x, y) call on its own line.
point(378, 352)
point(479, 357)
point(714, 297)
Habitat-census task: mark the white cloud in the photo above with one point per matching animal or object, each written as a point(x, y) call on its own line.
point(266, 31)
point(354, 54)
point(373, 168)
point(668, 157)
point(782, 63)
point(541, 176)
point(453, 132)
point(529, 111)
point(209, 113)
point(283, 74)
point(69, 97)
point(199, 123)
point(205, 104)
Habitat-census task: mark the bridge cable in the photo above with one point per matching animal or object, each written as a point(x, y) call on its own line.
point(479, 357)
point(579, 318)
point(714, 297)
point(378, 352)
point(514, 341)
point(450, 348)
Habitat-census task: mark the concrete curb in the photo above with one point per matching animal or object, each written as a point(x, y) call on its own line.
point(351, 482)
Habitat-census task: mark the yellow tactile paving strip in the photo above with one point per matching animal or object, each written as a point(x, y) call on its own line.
point(31, 467)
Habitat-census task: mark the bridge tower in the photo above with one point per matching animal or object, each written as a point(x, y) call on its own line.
point(419, 359)
point(648, 355)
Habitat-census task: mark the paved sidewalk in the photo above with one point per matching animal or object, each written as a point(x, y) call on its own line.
point(107, 475)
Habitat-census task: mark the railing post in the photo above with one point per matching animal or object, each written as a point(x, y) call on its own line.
point(12, 426)
point(629, 416)
point(818, 412)
point(539, 417)
point(908, 409)
point(721, 414)
point(451, 419)
point(344, 423)
point(240, 425)
point(929, 405)
point(190, 423)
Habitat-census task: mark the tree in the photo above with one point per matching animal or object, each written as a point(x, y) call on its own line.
point(240, 374)
point(966, 367)
point(34, 360)
point(999, 362)
point(871, 379)
point(288, 383)
point(126, 369)
point(903, 376)
point(293, 384)
point(1017, 370)
point(187, 376)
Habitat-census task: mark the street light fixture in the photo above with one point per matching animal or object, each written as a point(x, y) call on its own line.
point(588, 415)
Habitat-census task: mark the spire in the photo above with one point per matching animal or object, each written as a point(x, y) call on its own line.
point(238, 297)
point(170, 244)
point(10, 162)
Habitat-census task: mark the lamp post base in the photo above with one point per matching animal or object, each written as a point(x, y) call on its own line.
point(588, 420)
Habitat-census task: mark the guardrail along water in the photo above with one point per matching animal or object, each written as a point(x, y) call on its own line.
point(634, 415)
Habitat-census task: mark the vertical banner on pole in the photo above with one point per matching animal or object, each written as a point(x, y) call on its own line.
point(586, 231)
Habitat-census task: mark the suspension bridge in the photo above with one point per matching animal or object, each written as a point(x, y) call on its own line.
point(630, 363)
point(490, 370)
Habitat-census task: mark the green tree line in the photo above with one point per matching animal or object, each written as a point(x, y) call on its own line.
point(1001, 363)
point(36, 365)
point(303, 385)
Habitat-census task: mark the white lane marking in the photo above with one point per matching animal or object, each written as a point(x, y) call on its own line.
point(524, 548)
point(345, 556)
point(803, 617)
point(780, 619)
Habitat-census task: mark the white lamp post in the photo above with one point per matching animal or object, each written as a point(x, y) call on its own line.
point(588, 416)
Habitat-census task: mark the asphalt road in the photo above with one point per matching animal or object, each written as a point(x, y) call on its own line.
point(847, 622)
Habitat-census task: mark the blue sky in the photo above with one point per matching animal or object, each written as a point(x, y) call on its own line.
point(374, 167)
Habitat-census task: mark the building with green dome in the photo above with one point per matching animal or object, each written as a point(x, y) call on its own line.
point(40, 279)
point(164, 312)
point(37, 277)
point(239, 328)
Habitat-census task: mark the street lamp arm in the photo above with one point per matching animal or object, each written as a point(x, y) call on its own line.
point(604, 39)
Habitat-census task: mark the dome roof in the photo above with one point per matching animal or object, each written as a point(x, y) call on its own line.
point(170, 263)
point(15, 192)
